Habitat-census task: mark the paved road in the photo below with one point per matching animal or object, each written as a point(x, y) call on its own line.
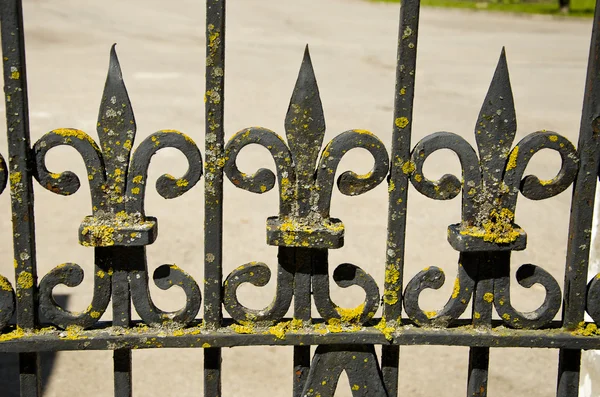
point(352, 42)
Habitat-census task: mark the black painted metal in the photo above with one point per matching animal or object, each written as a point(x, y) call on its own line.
point(303, 230)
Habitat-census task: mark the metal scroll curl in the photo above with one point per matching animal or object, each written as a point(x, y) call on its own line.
point(7, 293)
point(259, 274)
point(349, 183)
point(165, 277)
point(592, 299)
point(66, 183)
point(433, 277)
point(263, 180)
point(345, 275)
point(527, 276)
point(169, 187)
point(7, 301)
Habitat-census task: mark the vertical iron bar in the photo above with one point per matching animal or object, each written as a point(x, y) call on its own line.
point(116, 258)
point(398, 188)
point(122, 372)
point(569, 363)
point(580, 226)
point(213, 192)
point(479, 357)
point(479, 360)
point(303, 258)
point(582, 209)
point(21, 187)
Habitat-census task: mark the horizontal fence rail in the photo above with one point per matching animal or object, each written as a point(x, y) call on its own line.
point(119, 230)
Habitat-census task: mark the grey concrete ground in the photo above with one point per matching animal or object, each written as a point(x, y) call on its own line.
point(352, 42)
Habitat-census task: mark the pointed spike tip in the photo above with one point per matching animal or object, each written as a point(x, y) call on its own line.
point(114, 67)
point(502, 59)
point(304, 122)
point(497, 124)
point(306, 58)
point(116, 122)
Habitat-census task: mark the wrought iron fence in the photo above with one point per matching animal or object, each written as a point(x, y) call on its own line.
point(119, 231)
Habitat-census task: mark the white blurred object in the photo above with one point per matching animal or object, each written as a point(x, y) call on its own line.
point(589, 383)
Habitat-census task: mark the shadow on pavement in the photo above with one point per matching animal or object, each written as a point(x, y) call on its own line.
point(9, 364)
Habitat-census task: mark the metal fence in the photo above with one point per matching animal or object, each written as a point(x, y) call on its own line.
point(345, 338)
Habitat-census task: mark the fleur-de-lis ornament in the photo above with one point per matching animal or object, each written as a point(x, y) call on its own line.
point(119, 230)
point(305, 187)
point(490, 185)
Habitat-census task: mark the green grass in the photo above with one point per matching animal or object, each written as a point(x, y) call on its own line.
point(579, 8)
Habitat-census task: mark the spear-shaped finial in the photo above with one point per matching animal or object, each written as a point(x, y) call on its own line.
point(116, 129)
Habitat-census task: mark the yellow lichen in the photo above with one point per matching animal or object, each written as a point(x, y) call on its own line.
point(25, 280)
point(135, 190)
point(456, 289)
point(334, 325)
point(100, 235)
point(390, 297)
point(586, 330)
point(392, 275)
point(71, 132)
point(408, 167)
point(401, 122)
point(178, 332)
point(14, 75)
point(281, 329)
point(15, 177)
point(320, 329)
point(350, 315)
point(355, 387)
point(488, 297)
point(286, 190)
point(498, 228)
point(512, 160)
point(138, 179)
point(391, 186)
point(95, 314)
point(245, 327)
point(74, 332)
point(205, 345)
point(385, 329)
point(476, 315)
point(506, 316)
point(127, 144)
point(430, 314)
point(182, 182)
point(5, 284)
point(553, 138)
point(418, 177)
point(17, 333)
